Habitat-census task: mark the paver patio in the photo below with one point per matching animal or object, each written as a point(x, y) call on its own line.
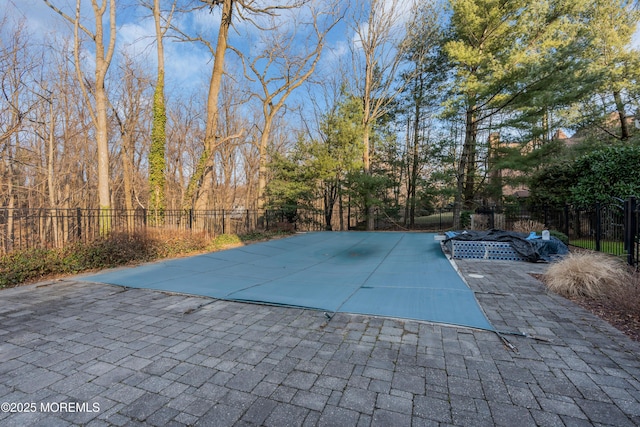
point(158, 358)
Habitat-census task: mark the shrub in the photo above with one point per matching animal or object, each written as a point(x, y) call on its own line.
point(224, 241)
point(170, 243)
point(465, 219)
point(263, 235)
point(560, 236)
point(116, 249)
point(22, 265)
point(588, 274)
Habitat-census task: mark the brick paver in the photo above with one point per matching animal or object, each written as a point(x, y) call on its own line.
point(153, 358)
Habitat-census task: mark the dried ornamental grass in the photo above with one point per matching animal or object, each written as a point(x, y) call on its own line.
point(586, 274)
point(527, 226)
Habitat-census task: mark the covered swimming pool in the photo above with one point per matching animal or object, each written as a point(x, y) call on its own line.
point(393, 274)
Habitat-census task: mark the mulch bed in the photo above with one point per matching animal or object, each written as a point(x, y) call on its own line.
point(626, 322)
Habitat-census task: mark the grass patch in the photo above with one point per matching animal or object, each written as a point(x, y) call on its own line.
point(261, 236)
point(606, 246)
point(115, 250)
point(445, 217)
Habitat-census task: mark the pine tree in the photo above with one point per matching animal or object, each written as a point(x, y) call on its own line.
point(503, 53)
point(613, 65)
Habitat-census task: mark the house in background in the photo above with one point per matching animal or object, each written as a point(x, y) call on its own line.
point(504, 182)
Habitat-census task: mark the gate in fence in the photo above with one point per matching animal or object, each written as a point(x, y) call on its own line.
point(612, 227)
point(632, 231)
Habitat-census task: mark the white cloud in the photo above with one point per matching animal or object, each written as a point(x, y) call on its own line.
point(138, 39)
point(391, 18)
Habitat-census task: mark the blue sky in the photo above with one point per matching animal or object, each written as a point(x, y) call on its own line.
point(188, 65)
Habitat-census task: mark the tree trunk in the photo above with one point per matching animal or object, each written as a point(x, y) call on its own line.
point(470, 151)
point(127, 175)
point(158, 136)
point(415, 154)
point(102, 123)
point(200, 183)
point(262, 168)
point(104, 194)
point(624, 126)
point(368, 196)
point(465, 183)
point(51, 178)
point(330, 197)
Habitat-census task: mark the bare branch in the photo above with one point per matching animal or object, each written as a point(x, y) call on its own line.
point(68, 18)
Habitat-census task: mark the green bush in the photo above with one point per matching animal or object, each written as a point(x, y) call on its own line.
point(560, 236)
point(262, 235)
point(465, 219)
point(117, 249)
point(19, 266)
point(601, 174)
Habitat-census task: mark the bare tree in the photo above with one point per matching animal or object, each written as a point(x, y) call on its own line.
point(228, 155)
point(199, 188)
point(185, 130)
point(378, 56)
point(103, 57)
point(284, 65)
point(16, 104)
point(74, 171)
point(131, 113)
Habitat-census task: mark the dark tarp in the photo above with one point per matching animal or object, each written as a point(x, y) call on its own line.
point(532, 249)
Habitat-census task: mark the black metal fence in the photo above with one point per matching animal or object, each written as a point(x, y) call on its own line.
point(612, 227)
point(632, 228)
point(47, 228)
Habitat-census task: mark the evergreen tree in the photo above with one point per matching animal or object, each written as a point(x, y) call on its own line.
point(613, 65)
point(339, 152)
point(504, 54)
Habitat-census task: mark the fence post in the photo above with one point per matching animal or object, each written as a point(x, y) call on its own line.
point(79, 221)
point(630, 228)
point(492, 217)
point(598, 225)
point(191, 219)
point(566, 220)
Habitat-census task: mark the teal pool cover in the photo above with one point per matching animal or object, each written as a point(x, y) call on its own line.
point(402, 275)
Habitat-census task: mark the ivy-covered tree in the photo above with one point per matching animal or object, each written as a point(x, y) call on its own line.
point(158, 126)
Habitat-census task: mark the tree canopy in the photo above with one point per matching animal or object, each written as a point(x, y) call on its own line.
point(373, 106)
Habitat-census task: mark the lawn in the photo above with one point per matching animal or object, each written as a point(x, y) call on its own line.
point(606, 246)
point(435, 219)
